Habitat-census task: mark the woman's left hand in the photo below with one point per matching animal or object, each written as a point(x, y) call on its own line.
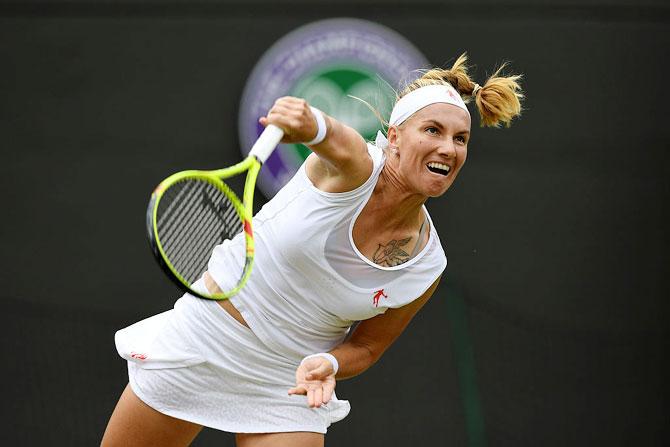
point(315, 377)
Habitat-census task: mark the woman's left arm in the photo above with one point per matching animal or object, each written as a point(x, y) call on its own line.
point(374, 336)
point(314, 376)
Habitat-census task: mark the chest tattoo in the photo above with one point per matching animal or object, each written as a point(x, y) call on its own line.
point(392, 253)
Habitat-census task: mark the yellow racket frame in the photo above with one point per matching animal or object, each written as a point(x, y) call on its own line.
point(261, 150)
point(243, 208)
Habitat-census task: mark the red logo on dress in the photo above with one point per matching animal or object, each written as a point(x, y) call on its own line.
point(138, 356)
point(378, 294)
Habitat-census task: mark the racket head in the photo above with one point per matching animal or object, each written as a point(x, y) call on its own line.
point(189, 214)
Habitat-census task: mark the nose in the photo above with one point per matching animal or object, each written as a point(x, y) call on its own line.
point(447, 148)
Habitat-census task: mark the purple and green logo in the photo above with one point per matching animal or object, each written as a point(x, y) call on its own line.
point(324, 62)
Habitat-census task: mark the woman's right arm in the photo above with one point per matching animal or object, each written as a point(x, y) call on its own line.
point(342, 162)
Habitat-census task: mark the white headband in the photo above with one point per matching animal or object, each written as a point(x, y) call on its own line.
point(416, 100)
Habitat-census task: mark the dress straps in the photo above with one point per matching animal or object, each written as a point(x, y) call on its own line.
point(418, 242)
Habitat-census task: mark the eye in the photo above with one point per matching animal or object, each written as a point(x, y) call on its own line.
point(432, 130)
point(461, 139)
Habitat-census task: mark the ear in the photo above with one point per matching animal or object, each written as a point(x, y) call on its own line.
point(392, 136)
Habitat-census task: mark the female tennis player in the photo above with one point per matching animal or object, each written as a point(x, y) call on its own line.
point(347, 240)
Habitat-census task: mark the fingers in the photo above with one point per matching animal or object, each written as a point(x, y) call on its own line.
point(289, 112)
point(327, 393)
point(317, 394)
point(294, 117)
point(318, 397)
point(315, 397)
point(291, 101)
point(300, 390)
point(310, 398)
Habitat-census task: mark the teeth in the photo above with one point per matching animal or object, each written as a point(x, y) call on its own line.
point(439, 166)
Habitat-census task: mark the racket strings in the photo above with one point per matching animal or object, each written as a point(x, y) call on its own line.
point(193, 217)
point(180, 227)
point(176, 231)
point(203, 230)
point(212, 232)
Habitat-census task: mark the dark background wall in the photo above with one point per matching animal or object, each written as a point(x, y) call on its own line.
point(550, 327)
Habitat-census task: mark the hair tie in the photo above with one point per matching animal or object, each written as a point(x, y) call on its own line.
point(476, 89)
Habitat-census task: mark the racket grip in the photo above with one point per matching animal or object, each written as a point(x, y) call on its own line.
point(267, 142)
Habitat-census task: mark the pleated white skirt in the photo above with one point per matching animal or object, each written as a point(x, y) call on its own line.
point(197, 363)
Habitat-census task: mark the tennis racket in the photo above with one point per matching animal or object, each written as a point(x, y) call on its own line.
point(191, 212)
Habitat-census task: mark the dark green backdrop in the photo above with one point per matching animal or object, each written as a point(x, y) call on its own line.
point(550, 327)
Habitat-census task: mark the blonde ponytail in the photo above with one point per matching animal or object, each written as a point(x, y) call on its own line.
point(498, 100)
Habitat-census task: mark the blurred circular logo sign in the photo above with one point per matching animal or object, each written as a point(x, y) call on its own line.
point(324, 62)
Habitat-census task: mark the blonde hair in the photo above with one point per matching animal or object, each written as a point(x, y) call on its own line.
point(498, 100)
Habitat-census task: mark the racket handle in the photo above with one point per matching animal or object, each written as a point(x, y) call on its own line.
point(267, 142)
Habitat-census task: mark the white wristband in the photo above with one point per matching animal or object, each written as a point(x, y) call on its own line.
point(321, 124)
point(326, 355)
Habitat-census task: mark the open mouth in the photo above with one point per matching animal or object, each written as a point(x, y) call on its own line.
point(438, 168)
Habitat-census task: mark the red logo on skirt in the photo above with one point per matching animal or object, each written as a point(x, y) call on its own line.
point(137, 355)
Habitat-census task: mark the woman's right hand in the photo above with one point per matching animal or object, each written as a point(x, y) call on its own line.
point(294, 117)
point(342, 162)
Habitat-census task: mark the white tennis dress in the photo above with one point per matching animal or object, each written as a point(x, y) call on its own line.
point(309, 285)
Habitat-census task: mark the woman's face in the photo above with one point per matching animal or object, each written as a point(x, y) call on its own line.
point(432, 146)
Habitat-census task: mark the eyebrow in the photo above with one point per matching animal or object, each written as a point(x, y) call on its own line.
point(435, 123)
point(440, 126)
